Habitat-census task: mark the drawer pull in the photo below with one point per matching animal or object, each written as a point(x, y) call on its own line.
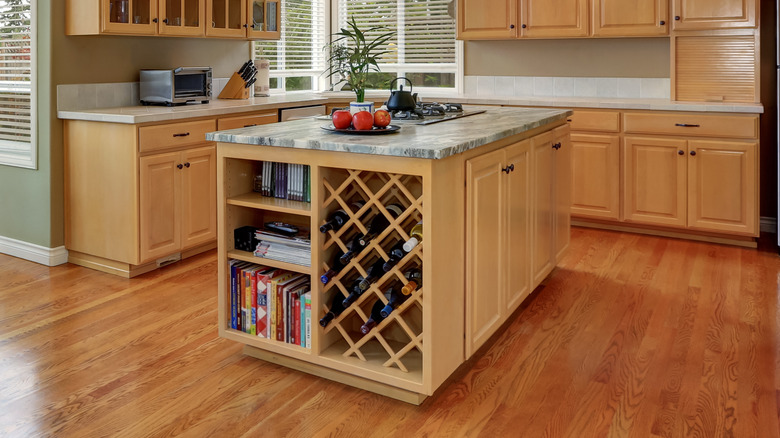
point(184, 134)
point(687, 125)
point(187, 165)
point(249, 126)
point(681, 152)
point(508, 169)
point(693, 153)
point(179, 166)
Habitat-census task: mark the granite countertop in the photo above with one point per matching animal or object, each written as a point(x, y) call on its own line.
point(435, 141)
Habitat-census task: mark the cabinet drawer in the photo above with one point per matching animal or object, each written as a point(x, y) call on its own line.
point(154, 138)
point(600, 121)
point(735, 126)
point(247, 121)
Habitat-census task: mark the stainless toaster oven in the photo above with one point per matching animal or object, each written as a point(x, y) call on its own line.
point(175, 87)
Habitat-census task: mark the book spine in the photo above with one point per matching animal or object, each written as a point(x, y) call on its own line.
point(233, 318)
point(253, 324)
point(307, 319)
point(247, 308)
point(297, 329)
point(279, 315)
point(262, 306)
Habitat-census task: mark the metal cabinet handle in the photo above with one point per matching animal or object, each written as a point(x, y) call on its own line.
point(677, 17)
point(165, 21)
point(154, 20)
point(179, 166)
point(662, 23)
point(681, 152)
point(693, 153)
point(511, 26)
point(524, 26)
point(687, 125)
point(187, 165)
point(508, 169)
point(183, 134)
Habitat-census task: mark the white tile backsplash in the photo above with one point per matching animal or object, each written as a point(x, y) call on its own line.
point(543, 86)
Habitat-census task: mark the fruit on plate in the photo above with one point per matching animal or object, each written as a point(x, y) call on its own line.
point(381, 118)
point(341, 119)
point(363, 121)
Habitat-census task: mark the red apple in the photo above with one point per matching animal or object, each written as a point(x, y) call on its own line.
point(363, 121)
point(342, 119)
point(381, 118)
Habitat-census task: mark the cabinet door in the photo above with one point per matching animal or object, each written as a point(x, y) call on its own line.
point(554, 18)
point(226, 18)
point(199, 196)
point(595, 180)
point(723, 186)
point(264, 19)
point(562, 187)
point(630, 18)
point(160, 180)
point(542, 256)
point(137, 17)
point(713, 14)
point(655, 181)
point(518, 225)
point(182, 17)
point(487, 19)
point(484, 247)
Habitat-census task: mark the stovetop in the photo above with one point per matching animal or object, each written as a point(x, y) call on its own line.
point(427, 113)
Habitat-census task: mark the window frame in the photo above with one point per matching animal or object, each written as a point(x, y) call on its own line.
point(17, 154)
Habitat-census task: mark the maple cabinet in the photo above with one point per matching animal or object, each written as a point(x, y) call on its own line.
point(595, 187)
point(554, 18)
point(714, 14)
point(636, 18)
point(254, 19)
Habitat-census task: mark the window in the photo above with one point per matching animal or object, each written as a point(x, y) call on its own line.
point(297, 60)
point(424, 48)
point(17, 84)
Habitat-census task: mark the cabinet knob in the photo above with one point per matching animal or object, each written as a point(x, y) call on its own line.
point(508, 169)
point(693, 153)
point(179, 166)
point(154, 20)
point(187, 165)
point(524, 26)
point(511, 26)
point(677, 17)
point(681, 152)
point(246, 25)
point(165, 21)
point(662, 23)
point(687, 125)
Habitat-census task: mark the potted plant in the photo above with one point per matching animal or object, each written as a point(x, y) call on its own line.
point(352, 57)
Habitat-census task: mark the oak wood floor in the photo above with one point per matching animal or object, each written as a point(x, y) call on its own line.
point(631, 336)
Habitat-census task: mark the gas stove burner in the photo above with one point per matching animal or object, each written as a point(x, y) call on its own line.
point(416, 114)
point(453, 107)
point(432, 109)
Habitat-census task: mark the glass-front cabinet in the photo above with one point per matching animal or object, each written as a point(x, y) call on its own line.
point(264, 19)
point(226, 18)
point(129, 16)
point(182, 17)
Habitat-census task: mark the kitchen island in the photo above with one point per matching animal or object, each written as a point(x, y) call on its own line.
point(492, 193)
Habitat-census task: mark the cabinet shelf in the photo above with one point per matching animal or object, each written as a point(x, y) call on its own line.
point(258, 201)
point(268, 344)
point(249, 257)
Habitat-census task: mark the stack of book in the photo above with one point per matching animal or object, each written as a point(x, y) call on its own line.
point(270, 303)
point(283, 180)
point(289, 249)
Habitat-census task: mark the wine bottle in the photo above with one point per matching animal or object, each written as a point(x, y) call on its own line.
point(395, 255)
point(336, 308)
point(340, 217)
point(416, 237)
point(379, 223)
point(414, 277)
point(374, 273)
point(354, 249)
point(375, 318)
point(335, 268)
point(395, 300)
point(355, 294)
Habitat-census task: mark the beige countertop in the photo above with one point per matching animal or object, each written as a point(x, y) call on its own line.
point(218, 107)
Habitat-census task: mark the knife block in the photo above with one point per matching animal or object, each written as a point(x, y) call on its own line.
point(235, 89)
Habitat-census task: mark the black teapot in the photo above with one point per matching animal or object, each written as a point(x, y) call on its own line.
point(401, 100)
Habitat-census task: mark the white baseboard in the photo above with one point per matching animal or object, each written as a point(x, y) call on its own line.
point(33, 253)
point(768, 225)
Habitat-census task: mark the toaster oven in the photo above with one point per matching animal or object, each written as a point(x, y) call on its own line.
point(175, 87)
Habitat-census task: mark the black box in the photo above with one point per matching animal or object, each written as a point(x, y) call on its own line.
point(244, 238)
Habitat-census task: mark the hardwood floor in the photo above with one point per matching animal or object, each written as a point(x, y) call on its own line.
point(631, 336)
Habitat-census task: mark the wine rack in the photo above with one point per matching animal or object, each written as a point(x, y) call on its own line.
point(396, 342)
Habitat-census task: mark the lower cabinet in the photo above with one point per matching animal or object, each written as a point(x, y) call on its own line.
point(595, 188)
point(178, 198)
point(517, 226)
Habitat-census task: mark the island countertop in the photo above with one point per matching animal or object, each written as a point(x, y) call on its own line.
point(435, 141)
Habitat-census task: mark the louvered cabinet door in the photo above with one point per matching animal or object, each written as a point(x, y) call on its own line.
point(714, 14)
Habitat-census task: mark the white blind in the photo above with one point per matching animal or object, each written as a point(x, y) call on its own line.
point(16, 79)
point(425, 38)
point(303, 35)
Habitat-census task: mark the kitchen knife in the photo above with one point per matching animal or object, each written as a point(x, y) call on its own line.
point(251, 81)
point(243, 67)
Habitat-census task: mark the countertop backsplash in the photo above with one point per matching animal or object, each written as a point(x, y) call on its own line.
point(527, 86)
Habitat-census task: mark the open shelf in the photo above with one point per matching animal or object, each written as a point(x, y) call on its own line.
point(256, 200)
point(268, 344)
point(249, 257)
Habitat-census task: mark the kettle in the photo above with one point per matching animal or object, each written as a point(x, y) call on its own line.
point(401, 100)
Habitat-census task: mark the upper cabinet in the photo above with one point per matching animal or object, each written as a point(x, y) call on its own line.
point(245, 19)
point(636, 18)
point(714, 14)
point(554, 18)
point(487, 19)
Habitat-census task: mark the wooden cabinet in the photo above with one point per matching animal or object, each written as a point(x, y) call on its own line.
point(498, 238)
point(562, 187)
point(554, 18)
point(714, 14)
point(544, 211)
point(246, 19)
point(488, 19)
point(245, 121)
point(595, 187)
point(635, 18)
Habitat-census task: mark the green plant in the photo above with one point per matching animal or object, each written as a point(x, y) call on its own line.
point(352, 56)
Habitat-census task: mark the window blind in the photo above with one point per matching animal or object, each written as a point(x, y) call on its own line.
point(298, 54)
point(16, 83)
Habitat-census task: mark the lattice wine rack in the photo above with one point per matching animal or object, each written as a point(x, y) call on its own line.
point(396, 342)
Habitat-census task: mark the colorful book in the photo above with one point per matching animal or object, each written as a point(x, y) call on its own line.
point(282, 303)
point(307, 319)
point(274, 304)
point(263, 280)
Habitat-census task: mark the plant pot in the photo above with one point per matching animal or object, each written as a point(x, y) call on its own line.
point(361, 106)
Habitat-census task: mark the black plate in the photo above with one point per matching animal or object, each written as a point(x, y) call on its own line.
point(389, 129)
